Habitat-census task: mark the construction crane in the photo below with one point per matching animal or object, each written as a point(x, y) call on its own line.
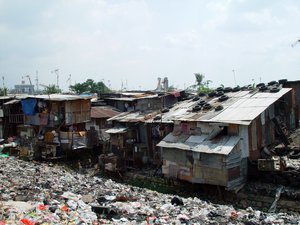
point(296, 42)
point(69, 80)
point(31, 90)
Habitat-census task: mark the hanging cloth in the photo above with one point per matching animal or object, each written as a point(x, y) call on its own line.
point(28, 106)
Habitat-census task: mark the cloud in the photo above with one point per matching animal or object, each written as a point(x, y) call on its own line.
point(187, 39)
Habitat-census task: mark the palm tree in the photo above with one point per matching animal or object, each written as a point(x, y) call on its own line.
point(199, 78)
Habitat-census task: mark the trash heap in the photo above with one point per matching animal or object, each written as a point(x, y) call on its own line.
point(44, 193)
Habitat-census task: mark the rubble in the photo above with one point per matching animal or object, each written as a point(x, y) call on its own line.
point(45, 193)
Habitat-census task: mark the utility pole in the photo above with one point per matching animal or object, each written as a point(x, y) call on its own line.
point(56, 71)
point(37, 81)
point(233, 71)
point(69, 80)
point(296, 42)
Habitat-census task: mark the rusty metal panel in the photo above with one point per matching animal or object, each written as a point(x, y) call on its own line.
point(185, 173)
point(259, 132)
point(234, 173)
point(233, 129)
point(244, 134)
point(214, 176)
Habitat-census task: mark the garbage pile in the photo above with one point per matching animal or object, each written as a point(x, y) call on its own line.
point(44, 193)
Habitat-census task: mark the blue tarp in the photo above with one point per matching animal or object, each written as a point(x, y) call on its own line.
point(28, 106)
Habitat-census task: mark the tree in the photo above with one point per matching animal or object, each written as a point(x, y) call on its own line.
point(3, 91)
point(89, 86)
point(201, 84)
point(51, 89)
point(199, 78)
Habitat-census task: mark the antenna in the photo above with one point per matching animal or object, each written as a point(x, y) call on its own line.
point(56, 71)
point(296, 42)
point(233, 71)
point(3, 82)
point(37, 80)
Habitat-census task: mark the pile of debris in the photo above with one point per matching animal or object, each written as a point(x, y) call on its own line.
point(44, 193)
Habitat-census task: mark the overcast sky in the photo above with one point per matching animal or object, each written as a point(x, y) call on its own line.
point(136, 41)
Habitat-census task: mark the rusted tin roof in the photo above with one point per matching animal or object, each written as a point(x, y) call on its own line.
point(222, 145)
point(240, 108)
point(117, 130)
point(103, 112)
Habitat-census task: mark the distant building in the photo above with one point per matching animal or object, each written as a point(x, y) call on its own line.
point(24, 88)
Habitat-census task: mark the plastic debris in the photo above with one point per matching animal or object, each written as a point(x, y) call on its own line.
point(45, 193)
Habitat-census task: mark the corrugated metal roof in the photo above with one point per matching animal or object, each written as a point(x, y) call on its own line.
point(103, 112)
point(54, 97)
point(247, 108)
point(221, 145)
point(11, 102)
point(60, 97)
point(133, 97)
point(241, 108)
point(117, 130)
point(134, 116)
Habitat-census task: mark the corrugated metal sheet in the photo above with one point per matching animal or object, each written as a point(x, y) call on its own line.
point(241, 108)
point(246, 109)
point(103, 112)
point(223, 145)
point(11, 102)
point(133, 96)
point(130, 117)
point(54, 97)
point(117, 130)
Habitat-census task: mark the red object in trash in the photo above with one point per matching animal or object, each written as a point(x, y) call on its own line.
point(2, 222)
point(42, 207)
point(65, 208)
point(27, 221)
point(151, 220)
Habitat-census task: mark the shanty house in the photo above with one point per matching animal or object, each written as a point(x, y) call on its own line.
point(134, 139)
point(214, 137)
point(57, 121)
point(294, 112)
point(133, 101)
point(98, 125)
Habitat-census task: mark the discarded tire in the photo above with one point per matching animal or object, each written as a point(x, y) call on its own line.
point(227, 89)
point(282, 81)
point(157, 118)
point(272, 83)
point(202, 102)
point(207, 106)
point(244, 88)
point(211, 94)
point(236, 89)
point(165, 110)
point(219, 93)
point(201, 94)
point(263, 88)
point(219, 108)
point(274, 90)
point(260, 85)
point(196, 98)
point(196, 108)
point(223, 98)
point(219, 89)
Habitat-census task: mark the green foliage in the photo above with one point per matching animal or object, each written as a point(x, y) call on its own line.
point(89, 86)
point(51, 89)
point(201, 84)
point(199, 78)
point(3, 91)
